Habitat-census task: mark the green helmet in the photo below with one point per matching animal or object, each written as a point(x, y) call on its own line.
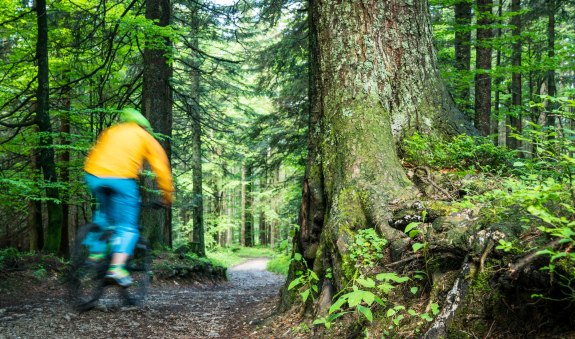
point(133, 115)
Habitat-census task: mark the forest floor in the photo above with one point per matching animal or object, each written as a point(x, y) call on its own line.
point(237, 308)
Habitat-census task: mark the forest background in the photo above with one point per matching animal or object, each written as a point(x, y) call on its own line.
point(227, 89)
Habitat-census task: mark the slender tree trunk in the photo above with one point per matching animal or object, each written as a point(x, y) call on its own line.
point(262, 216)
point(551, 85)
point(47, 162)
point(249, 203)
point(500, 121)
point(274, 223)
point(198, 200)
point(65, 170)
point(463, 47)
point(483, 67)
point(243, 206)
point(515, 120)
point(35, 206)
point(157, 107)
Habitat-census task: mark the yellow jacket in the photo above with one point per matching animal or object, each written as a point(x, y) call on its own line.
point(120, 153)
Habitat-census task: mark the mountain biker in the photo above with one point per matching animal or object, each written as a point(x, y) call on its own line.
point(112, 168)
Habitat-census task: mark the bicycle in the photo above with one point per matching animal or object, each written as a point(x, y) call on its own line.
point(87, 280)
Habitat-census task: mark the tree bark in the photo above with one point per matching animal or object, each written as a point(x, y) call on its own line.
point(551, 85)
point(65, 168)
point(249, 202)
point(515, 120)
point(462, 44)
point(157, 107)
point(197, 174)
point(243, 206)
point(373, 80)
point(47, 162)
point(35, 206)
point(483, 67)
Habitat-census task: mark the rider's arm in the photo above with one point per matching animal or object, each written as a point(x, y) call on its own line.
point(158, 160)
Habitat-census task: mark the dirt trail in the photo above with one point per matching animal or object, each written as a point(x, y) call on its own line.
point(228, 310)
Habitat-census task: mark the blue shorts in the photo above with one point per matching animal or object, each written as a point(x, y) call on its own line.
point(117, 207)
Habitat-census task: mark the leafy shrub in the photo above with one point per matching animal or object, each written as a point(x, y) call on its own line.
point(8, 257)
point(367, 248)
point(279, 264)
point(463, 152)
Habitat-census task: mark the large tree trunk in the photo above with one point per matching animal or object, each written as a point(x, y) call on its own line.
point(47, 162)
point(157, 107)
point(483, 67)
point(373, 80)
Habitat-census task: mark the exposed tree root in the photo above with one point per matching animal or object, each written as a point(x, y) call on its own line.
point(515, 268)
point(454, 299)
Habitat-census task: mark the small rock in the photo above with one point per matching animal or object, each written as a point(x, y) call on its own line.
point(67, 317)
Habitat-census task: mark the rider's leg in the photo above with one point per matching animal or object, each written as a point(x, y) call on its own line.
point(125, 210)
point(93, 241)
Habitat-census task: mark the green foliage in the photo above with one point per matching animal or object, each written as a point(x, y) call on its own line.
point(8, 257)
point(234, 255)
point(363, 291)
point(367, 248)
point(279, 264)
point(463, 152)
point(306, 280)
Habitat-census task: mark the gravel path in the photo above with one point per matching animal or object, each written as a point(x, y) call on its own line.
point(229, 310)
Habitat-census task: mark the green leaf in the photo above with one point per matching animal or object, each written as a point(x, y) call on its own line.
point(379, 301)
point(297, 256)
point(355, 298)
point(434, 308)
point(411, 312)
point(366, 312)
point(414, 289)
point(337, 304)
point(398, 319)
point(305, 295)
point(417, 246)
point(369, 283)
point(390, 312)
point(368, 297)
point(411, 226)
point(426, 317)
point(385, 287)
point(313, 275)
point(294, 283)
point(390, 276)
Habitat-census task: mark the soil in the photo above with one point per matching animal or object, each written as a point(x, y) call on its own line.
point(238, 308)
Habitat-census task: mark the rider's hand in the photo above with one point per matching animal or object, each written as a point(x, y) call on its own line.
point(167, 198)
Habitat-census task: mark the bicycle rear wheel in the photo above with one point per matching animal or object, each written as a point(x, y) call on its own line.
point(139, 267)
point(85, 279)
